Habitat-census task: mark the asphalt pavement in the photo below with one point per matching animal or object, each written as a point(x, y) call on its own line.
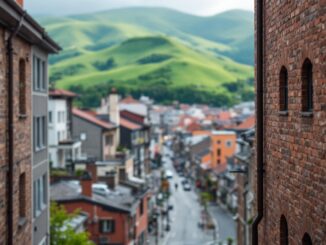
point(186, 214)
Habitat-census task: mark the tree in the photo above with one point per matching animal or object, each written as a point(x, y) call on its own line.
point(60, 232)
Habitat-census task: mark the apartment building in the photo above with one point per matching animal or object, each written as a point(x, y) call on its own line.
point(63, 147)
point(24, 49)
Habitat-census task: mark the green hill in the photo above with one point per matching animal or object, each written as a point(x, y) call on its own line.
point(154, 51)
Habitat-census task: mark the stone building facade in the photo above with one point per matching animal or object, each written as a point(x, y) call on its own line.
point(20, 36)
point(294, 123)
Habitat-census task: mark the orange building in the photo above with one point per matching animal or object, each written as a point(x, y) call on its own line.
point(223, 146)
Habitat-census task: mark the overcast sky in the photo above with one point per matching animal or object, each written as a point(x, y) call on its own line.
point(198, 7)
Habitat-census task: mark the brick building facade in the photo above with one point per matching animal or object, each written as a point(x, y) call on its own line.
point(294, 122)
point(20, 35)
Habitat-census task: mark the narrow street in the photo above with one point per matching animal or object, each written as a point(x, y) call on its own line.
point(185, 215)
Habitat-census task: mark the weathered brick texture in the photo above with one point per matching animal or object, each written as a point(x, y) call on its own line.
point(22, 141)
point(295, 146)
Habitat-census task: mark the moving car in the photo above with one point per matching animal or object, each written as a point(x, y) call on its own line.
point(186, 187)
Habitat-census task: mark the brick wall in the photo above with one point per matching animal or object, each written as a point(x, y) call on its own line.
point(295, 146)
point(22, 140)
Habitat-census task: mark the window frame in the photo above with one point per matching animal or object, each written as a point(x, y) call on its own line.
point(283, 90)
point(111, 226)
point(307, 89)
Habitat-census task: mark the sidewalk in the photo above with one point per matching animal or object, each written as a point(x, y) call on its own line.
point(225, 225)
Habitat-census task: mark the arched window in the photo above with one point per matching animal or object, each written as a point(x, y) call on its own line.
point(307, 86)
point(306, 240)
point(284, 240)
point(284, 98)
point(22, 87)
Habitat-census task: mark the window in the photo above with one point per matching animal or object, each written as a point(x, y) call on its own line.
point(39, 126)
point(50, 116)
point(22, 87)
point(39, 195)
point(108, 140)
point(229, 143)
point(284, 240)
point(306, 240)
point(141, 207)
point(59, 116)
point(22, 195)
point(39, 74)
point(284, 89)
point(307, 86)
point(107, 226)
point(83, 136)
point(218, 152)
point(218, 161)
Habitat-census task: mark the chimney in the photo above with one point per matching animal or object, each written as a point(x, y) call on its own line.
point(111, 179)
point(21, 3)
point(92, 169)
point(86, 184)
point(114, 111)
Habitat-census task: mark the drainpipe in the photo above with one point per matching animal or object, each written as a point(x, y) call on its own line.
point(10, 101)
point(259, 119)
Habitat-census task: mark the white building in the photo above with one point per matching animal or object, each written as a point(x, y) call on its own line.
point(62, 147)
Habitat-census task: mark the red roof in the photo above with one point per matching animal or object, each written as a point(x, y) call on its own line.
point(224, 116)
point(248, 123)
point(61, 93)
point(91, 118)
point(129, 100)
point(130, 125)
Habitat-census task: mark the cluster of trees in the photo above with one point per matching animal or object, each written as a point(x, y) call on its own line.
point(154, 58)
point(67, 71)
point(60, 231)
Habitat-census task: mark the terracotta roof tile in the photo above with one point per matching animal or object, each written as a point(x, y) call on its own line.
point(61, 93)
point(93, 119)
point(128, 124)
point(129, 100)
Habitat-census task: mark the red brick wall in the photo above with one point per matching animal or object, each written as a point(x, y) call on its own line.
point(295, 150)
point(120, 236)
point(142, 220)
point(22, 141)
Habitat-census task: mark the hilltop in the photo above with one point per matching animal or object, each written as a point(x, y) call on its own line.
point(142, 49)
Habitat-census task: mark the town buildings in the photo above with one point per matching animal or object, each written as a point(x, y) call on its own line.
point(291, 107)
point(117, 216)
point(63, 147)
point(135, 136)
point(99, 136)
point(244, 167)
point(24, 49)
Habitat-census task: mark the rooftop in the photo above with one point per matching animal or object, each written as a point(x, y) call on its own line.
point(119, 199)
point(223, 132)
point(129, 124)
point(91, 117)
point(61, 93)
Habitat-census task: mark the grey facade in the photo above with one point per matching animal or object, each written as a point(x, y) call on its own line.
point(40, 169)
point(92, 143)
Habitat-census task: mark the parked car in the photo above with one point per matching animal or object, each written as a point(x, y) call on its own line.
point(186, 187)
point(101, 189)
point(168, 174)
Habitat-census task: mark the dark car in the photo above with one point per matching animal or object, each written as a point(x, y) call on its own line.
point(184, 181)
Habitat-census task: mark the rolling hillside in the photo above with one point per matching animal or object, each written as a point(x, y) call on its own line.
point(145, 50)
